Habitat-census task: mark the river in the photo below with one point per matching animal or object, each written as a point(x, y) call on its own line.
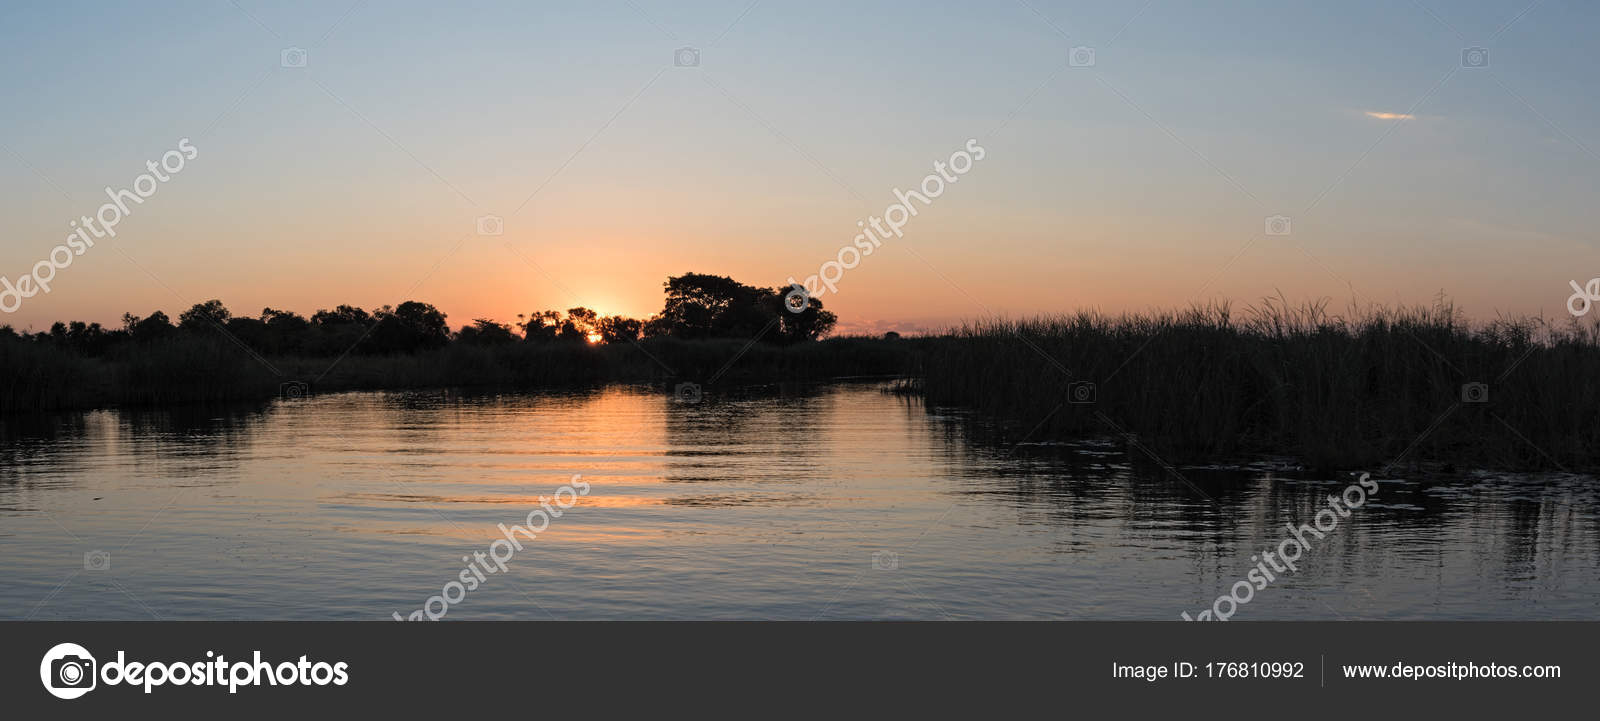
point(821, 502)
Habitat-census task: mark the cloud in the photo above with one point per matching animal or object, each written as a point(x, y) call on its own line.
point(1390, 116)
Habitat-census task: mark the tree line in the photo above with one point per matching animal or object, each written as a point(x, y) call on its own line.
point(697, 306)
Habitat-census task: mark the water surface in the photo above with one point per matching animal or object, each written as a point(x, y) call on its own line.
point(830, 502)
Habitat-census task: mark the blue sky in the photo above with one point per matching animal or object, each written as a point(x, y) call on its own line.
point(1131, 184)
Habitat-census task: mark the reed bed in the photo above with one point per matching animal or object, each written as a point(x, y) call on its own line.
point(1365, 389)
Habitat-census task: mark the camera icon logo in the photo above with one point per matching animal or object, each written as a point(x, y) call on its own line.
point(1474, 57)
point(1278, 225)
point(1081, 57)
point(293, 57)
point(491, 225)
point(797, 300)
point(1474, 393)
point(294, 390)
point(96, 561)
point(68, 671)
point(686, 57)
point(885, 561)
point(1081, 392)
point(687, 393)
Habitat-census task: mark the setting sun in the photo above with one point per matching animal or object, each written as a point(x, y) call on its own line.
point(525, 315)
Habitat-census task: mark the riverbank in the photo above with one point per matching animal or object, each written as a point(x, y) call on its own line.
point(207, 369)
point(1360, 391)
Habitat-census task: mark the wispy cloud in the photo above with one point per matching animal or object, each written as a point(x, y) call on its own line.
point(1389, 116)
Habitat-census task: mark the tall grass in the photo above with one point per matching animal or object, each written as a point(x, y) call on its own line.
point(1368, 388)
point(37, 377)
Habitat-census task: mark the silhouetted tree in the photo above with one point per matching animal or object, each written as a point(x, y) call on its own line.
point(90, 339)
point(343, 315)
point(617, 329)
point(485, 332)
point(250, 331)
point(710, 306)
point(579, 324)
point(156, 327)
point(286, 332)
point(426, 320)
point(411, 327)
point(810, 323)
point(697, 305)
point(540, 326)
point(207, 315)
point(338, 331)
point(714, 306)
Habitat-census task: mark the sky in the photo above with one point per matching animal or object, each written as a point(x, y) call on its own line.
point(1141, 181)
